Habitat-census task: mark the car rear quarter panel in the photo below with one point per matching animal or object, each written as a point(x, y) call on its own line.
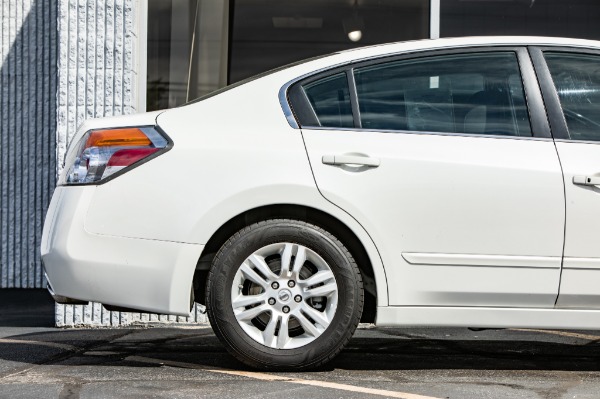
point(232, 153)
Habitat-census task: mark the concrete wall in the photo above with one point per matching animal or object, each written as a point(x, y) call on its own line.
point(28, 52)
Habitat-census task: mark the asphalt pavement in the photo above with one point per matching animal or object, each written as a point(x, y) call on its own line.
point(40, 361)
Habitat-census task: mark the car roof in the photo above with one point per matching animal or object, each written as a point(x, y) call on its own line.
point(430, 44)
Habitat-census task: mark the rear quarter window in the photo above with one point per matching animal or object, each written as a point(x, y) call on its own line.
point(329, 99)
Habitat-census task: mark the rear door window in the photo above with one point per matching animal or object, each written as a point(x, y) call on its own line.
point(475, 93)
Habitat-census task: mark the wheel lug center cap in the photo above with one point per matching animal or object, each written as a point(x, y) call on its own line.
point(284, 295)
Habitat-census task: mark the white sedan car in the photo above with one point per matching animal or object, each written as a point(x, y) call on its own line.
point(451, 182)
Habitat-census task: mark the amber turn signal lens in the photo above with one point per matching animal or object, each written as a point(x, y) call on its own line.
point(102, 153)
point(117, 137)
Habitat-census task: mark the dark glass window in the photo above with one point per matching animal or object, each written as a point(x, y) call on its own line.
point(187, 50)
point(330, 100)
point(479, 93)
point(559, 18)
point(577, 80)
point(269, 33)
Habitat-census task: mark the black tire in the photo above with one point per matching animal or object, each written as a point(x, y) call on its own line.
point(244, 243)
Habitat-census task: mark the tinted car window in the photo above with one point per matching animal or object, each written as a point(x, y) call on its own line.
point(330, 100)
point(577, 81)
point(479, 93)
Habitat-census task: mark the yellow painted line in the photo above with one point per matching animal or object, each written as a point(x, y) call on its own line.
point(41, 343)
point(271, 377)
point(588, 337)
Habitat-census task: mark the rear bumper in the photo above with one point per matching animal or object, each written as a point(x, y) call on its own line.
point(149, 275)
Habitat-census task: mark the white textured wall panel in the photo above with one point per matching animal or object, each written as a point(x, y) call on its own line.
point(95, 54)
point(61, 62)
point(97, 77)
point(28, 43)
point(95, 63)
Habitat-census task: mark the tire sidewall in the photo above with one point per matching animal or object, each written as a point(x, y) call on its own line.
point(235, 252)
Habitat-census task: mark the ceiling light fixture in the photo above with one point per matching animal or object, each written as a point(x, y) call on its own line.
point(355, 35)
point(354, 26)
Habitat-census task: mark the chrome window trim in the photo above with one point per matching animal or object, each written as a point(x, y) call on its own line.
point(285, 106)
point(426, 133)
point(576, 141)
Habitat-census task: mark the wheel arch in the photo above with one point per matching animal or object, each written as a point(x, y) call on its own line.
point(298, 212)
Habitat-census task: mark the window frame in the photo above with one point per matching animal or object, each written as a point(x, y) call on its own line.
point(301, 109)
point(556, 116)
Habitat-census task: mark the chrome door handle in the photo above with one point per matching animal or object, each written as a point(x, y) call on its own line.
point(586, 180)
point(350, 160)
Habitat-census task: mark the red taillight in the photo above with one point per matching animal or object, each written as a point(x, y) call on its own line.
point(102, 153)
point(129, 156)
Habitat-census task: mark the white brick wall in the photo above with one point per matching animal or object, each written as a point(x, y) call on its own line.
point(97, 77)
point(61, 62)
point(95, 63)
